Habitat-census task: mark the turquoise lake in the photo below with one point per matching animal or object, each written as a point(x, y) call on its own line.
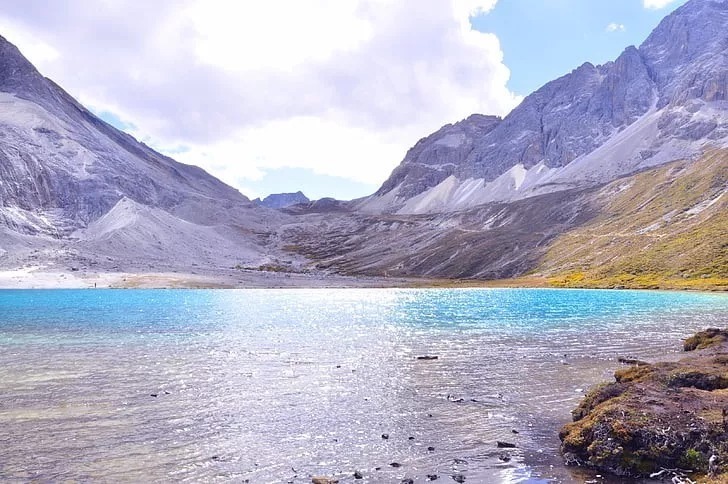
point(281, 385)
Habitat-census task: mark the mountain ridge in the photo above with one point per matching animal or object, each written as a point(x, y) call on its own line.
point(483, 198)
point(550, 141)
point(62, 169)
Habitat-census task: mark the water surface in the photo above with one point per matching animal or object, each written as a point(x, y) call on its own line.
point(279, 385)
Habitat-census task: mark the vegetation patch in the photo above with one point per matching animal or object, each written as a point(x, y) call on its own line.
point(706, 339)
point(666, 228)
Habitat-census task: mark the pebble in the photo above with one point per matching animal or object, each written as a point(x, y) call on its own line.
point(504, 457)
point(395, 464)
point(385, 436)
point(432, 477)
point(458, 478)
point(358, 475)
point(408, 481)
point(430, 448)
point(505, 445)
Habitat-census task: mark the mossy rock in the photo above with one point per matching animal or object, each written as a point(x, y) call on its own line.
point(702, 380)
point(706, 339)
point(669, 415)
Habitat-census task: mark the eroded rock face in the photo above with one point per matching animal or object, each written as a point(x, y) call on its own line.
point(439, 155)
point(656, 416)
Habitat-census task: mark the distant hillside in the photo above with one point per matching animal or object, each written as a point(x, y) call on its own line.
point(667, 227)
point(282, 200)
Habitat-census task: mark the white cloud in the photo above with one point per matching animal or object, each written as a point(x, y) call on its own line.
point(34, 49)
point(342, 88)
point(615, 27)
point(656, 4)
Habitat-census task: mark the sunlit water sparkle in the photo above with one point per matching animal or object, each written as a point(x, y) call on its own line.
point(280, 385)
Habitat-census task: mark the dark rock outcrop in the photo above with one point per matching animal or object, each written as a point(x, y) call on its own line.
point(669, 415)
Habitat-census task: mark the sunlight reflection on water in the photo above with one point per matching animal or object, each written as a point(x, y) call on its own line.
point(279, 385)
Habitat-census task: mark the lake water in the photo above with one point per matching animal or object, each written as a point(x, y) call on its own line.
point(280, 385)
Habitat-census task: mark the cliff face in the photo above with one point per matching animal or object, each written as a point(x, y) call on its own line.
point(657, 103)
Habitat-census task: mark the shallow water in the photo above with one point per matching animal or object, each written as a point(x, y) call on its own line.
point(279, 385)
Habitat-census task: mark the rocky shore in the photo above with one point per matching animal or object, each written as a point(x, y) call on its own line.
point(666, 420)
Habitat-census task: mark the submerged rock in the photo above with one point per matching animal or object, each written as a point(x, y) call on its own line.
point(323, 480)
point(669, 415)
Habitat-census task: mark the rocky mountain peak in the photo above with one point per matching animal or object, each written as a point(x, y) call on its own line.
point(282, 200)
point(17, 75)
point(688, 53)
point(657, 103)
point(61, 167)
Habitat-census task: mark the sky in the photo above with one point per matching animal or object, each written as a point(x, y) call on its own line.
point(323, 96)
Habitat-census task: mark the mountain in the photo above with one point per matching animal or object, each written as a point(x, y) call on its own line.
point(611, 176)
point(282, 200)
point(664, 227)
point(663, 101)
point(73, 188)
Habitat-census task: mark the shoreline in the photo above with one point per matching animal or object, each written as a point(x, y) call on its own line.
point(37, 277)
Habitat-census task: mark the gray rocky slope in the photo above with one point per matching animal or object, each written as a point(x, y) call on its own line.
point(73, 188)
point(663, 101)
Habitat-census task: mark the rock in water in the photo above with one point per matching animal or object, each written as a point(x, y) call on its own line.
point(323, 480)
point(667, 415)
